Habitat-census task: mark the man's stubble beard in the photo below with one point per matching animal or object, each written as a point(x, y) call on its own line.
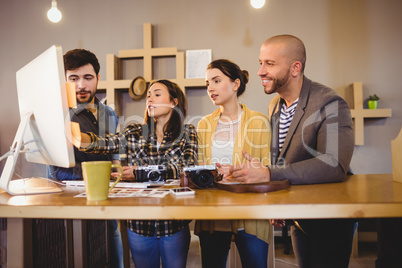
point(277, 84)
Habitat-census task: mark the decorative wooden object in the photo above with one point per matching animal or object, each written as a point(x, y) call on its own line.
point(353, 94)
point(114, 83)
point(396, 147)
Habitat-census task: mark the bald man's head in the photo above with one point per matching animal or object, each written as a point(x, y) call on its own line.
point(292, 48)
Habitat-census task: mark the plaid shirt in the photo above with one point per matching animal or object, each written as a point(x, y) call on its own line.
point(141, 149)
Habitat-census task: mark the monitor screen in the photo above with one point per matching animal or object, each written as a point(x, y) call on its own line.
point(44, 132)
point(41, 91)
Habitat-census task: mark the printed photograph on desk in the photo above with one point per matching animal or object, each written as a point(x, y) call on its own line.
point(138, 192)
point(123, 192)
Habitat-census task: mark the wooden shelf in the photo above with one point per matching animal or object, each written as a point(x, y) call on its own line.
point(371, 113)
point(353, 94)
point(114, 82)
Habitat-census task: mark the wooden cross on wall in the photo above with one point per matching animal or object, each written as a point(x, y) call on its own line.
point(114, 83)
point(353, 94)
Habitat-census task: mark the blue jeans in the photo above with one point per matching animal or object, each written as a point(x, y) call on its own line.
point(147, 251)
point(215, 248)
point(116, 245)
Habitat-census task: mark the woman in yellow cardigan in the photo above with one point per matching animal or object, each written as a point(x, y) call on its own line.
point(222, 137)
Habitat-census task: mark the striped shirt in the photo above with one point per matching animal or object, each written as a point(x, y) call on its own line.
point(141, 149)
point(285, 120)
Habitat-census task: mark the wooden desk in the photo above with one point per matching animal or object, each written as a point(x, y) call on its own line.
point(361, 196)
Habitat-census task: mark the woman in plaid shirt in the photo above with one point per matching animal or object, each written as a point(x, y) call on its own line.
point(163, 139)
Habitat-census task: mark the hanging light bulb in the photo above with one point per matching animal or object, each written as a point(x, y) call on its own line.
point(257, 3)
point(53, 14)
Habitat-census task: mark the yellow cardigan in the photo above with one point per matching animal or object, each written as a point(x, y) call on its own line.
point(253, 136)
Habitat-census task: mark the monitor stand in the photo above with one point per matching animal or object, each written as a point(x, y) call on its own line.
point(23, 186)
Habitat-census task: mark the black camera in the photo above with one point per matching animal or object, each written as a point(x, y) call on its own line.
point(199, 177)
point(152, 173)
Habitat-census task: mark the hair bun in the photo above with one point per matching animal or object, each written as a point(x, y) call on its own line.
point(245, 74)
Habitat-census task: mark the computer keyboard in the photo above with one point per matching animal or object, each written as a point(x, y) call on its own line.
point(138, 185)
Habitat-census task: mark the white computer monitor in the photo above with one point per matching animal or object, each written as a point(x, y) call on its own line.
point(44, 133)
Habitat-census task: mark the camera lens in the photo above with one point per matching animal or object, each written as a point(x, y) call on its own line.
point(154, 175)
point(203, 179)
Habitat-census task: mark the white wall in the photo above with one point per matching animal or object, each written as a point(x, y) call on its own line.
point(346, 41)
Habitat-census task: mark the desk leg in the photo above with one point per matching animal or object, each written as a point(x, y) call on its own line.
point(389, 243)
point(18, 237)
point(271, 249)
point(36, 243)
point(79, 243)
point(69, 243)
point(124, 240)
point(91, 243)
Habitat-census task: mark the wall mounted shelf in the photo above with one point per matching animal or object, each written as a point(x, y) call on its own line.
point(353, 94)
point(114, 84)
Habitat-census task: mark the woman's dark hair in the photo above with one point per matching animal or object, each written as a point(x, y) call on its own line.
point(233, 71)
point(77, 58)
point(174, 126)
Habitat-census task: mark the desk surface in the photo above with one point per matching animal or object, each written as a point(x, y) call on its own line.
point(361, 196)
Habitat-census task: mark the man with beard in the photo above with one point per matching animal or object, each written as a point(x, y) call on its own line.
point(82, 68)
point(312, 142)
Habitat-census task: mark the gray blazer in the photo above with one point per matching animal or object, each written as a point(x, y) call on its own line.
point(319, 144)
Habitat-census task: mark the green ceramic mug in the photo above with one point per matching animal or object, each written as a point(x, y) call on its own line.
point(97, 179)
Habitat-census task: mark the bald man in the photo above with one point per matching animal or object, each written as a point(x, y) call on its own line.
point(312, 142)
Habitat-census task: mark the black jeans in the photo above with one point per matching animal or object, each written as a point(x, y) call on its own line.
point(323, 243)
point(215, 248)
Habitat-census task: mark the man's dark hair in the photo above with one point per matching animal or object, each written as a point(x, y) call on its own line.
point(77, 58)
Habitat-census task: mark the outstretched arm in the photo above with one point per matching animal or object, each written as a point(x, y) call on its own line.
point(80, 140)
point(91, 143)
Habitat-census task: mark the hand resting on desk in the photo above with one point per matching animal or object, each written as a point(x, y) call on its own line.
point(252, 171)
point(128, 174)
